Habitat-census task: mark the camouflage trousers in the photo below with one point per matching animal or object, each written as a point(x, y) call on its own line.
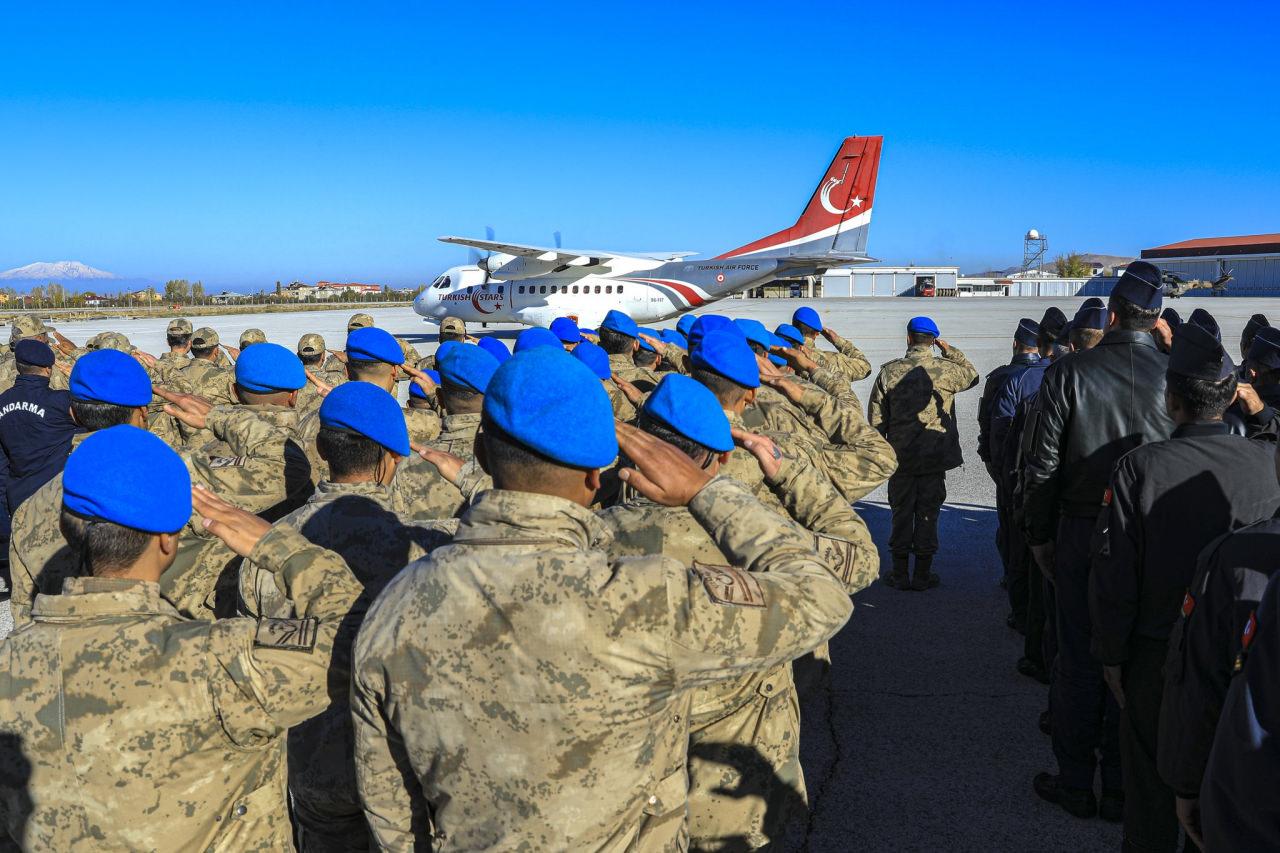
point(746, 784)
point(915, 501)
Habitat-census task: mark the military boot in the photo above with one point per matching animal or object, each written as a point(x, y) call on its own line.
point(922, 578)
point(899, 578)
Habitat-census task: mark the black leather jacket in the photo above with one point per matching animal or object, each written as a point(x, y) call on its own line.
point(1094, 407)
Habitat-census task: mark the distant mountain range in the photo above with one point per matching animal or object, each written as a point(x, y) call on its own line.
point(59, 271)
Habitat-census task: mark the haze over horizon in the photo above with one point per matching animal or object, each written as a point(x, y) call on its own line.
point(242, 146)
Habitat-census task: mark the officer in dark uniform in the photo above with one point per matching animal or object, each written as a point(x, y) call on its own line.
point(1256, 323)
point(35, 424)
point(1093, 408)
point(1025, 354)
point(1240, 806)
point(1167, 501)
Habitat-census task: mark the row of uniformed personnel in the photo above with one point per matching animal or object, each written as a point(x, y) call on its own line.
point(548, 627)
point(1136, 476)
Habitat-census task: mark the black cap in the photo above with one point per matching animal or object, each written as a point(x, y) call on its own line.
point(1197, 354)
point(1027, 333)
point(1141, 285)
point(1256, 322)
point(31, 351)
point(1053, 322)
point(1090, 317)
point(1171, 317)
point(1204, 320)
point(1093, 302)
point(1264, 352)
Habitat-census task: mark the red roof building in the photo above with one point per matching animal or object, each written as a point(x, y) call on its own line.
point(1253, 244)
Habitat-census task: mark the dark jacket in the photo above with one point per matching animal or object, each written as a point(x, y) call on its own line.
point(997, 380)
point(1204, 647)
point(1167, 501)
point(35, 435)
point(1094, 407)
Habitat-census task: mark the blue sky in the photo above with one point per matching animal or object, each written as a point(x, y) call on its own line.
point(244, 143)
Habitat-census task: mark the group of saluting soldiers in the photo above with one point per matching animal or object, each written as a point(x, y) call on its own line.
point(552, 603)
point(1136, 476)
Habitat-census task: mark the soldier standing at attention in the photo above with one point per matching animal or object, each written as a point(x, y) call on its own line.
point(178, 337)
point(419, 415)
point(560, 721)
point(620, 338)
point(913, 405)
point(567, 331)
point(451, 329)
point(1167, 501)
point(600, 364)
point(169, 731)
point(21, 327)
point(1094, 407)
point(249, 337)
point(35, 426)
point(1256, 323)
point(311, 352)
point(848, 360)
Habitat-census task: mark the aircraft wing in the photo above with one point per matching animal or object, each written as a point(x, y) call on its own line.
point(567, 257)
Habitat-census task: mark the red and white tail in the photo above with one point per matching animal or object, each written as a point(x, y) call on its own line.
point(836, 220)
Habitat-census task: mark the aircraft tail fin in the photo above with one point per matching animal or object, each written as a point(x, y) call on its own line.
point(838, 216)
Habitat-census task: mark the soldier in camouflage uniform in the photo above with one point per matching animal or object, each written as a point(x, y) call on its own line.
point(560, 720)
point(25, 326)
point(913, 405)
point(620, 338)
point(203, 372)
point(363, 438)
point(746, 781)
point(109, 391)
point(847, 360)
point(623, 396)
point(168, 732)
point(451, 329)
point(419, 415)
point(178, 336)
point(312, 352)
point(647, 363)
point(249, 337)
point(419, 491)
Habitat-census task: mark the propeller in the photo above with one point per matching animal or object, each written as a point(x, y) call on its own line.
point(556, 237)
point(484, 265)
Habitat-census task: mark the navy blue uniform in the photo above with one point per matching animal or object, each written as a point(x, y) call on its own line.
point(35, 436)
point(997, 380)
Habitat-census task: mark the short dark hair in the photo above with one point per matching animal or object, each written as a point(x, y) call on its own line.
point(202, 352)
point(26, 369)
point(644, 357)
point(921, 338)
point(178, 340)
point(616, 343)
point(1202, 398)
point(1131, 317)
point(758, 349)
point(347, 452)
point(805, 329)
point(311, 360)
point(105, 548)
point(695, 451)
point(358, 368)
point(452, 336)
point(510, 462)
point(455, 397)
point(727, 391)
point(1083, 339)
point(95, 416)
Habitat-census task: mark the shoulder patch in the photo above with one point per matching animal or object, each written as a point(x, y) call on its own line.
point(226, 461)
point(839, 555)
point(295, 635)
point(727, 585)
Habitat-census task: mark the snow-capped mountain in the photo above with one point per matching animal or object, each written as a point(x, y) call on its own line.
point(56, 271)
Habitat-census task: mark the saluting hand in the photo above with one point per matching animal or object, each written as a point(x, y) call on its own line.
point(322, 387)
point(656, 343)
point(628, 390)
point(797, 357)
point(421, 379)
point(240, 530)
point(450, 466)
point(1249, 399)
point(783, 386)
point(767, 454)
point(192, 409)
point(145, 357)
point(234, 352)
point(662, 473)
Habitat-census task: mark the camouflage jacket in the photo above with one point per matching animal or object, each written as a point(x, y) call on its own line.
point(418, 491)
point(557, 718)
point(424, 425)
point(355, 522)
point(913, 405)
point(165, 733)
point(254, 479)
point(169, 363)
point(856, 457)
point(847, 360)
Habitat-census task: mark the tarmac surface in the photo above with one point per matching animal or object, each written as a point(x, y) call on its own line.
point(928, 737)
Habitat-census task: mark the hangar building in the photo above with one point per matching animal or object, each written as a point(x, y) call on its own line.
point(1253, 261)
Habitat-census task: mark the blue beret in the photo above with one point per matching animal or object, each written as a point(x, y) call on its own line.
point(536, 337)
point(923, 326)
point(551, 403)
point(1265, 349)
point(671, 336)
point(1171, 317)
point(756, 333)
point(495, 348)
point(1198, 354)
point(415, 390)
point(32, 351)
point(789, 333)
point(689, 408)
point(266, 367)
point(110, 376)
point(1141, 284)
point(128, 476)
point(466, 367)
point(1205, 320)
point(566, 330)
point(1090, 318)
point(708, 323)
point(1027, 333)
point(586, 331)
point(777, 360)
point(364, 408)
point(645, 344)
point(805, 314)
point(369, 343)
point(622, 324)
point(685, 323)
point(593, 357)
point(727, 354)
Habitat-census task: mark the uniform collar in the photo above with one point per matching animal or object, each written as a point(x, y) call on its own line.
point(499, 514)
point(1199, 429)
point(87, 597)
point(918, 349)
point(621, 359)
point(328, 491)
point(1124, 336)
point(1026, 358)
point(32, 379)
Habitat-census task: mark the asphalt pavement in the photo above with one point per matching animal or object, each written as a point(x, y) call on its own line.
point(927, 738)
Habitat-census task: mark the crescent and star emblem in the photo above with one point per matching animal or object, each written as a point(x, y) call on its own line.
point(825, 197)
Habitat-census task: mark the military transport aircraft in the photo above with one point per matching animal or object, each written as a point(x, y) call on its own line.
point(533, 285)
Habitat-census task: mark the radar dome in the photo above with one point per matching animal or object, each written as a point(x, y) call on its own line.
point(1033, 234)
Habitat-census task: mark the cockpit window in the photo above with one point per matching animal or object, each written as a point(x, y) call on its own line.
point(441, 283)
